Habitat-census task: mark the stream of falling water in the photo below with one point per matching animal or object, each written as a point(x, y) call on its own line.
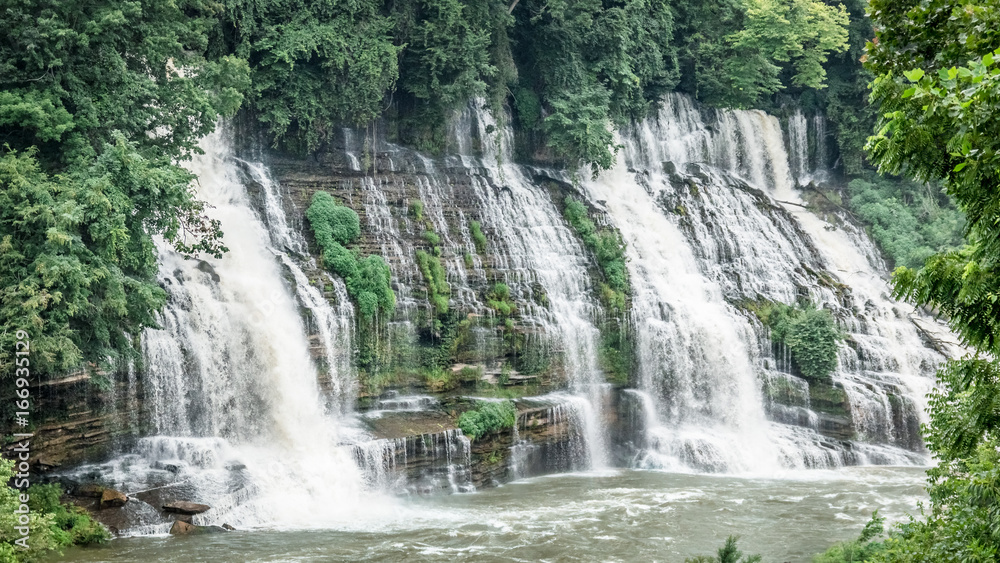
point(697, 360)
point(692, 355)
point(541, 248)
point(234, 389)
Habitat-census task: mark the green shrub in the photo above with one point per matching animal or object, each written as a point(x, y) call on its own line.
point(435, 280)
point(498, 299)
point(53, 525)
point(432, 238)
point(332, 222)
point(861, 549)
point(478, 238)
point(488, 418)
point(909, 220)
point(417, 209)
point(440, 380)
point(728, 553)
point(368, 280)
point(810, 334)
point(72, 524)
point(607, 247)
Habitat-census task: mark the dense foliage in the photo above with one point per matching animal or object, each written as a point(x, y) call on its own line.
point(810, 334)
point(100, 101)
point(571, 70)
point(313, 64)
point(368, 279)
point(938, 86)
point(487, 418)
point(53, 525)
point(909, 220)
point(734, 53)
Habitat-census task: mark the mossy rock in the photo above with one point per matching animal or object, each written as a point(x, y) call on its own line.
point(828, 398)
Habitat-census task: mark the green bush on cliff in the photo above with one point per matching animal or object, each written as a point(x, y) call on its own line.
point(487, 418)
point(609, 249)
point(498, 298)
point(52, 524)
point(435, 279)
point(331, 222)
point(368, 279)
point(478, 238)
point(810, 334)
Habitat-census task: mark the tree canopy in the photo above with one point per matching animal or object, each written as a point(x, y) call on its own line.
point(100, 102)
point(937, 87)
point(573, 70)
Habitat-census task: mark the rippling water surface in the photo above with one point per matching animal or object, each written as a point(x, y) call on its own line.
point(612, 516)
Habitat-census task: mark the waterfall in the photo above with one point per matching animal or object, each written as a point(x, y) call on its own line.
point(239, 418)
point(335, 326)
point(798, 145)
point(712, 218)
point(691, 349)
point(540, 248)
point(423, 463)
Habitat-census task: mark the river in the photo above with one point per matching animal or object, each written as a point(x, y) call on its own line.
point(623, 515)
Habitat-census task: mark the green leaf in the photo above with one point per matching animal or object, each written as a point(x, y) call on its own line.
point(914, 75)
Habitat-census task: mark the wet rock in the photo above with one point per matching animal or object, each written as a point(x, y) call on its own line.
point(184, 529)
point(209, 269)
point(171, 467)
point(89, 490)
point(228, 527)
point(111, 498)
point(44, 464)
point(185, 507)
point(181, 528)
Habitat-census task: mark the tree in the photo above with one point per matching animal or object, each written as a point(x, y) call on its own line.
point(736, 52)
point(938, 86)
point(592, 65)
point(314, 64)
point(101, 101)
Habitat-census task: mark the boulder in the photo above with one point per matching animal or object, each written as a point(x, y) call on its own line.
point(185, 507)
point(111, 498)
point(209, 269)
point(89, 490)
point(181, 528)
point(165, 466)
point(184, 529)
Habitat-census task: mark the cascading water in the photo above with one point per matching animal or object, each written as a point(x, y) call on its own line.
point(334, 326)
point(692, 352)
point(540, 248)
point(712, 219)
point(239, 418)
